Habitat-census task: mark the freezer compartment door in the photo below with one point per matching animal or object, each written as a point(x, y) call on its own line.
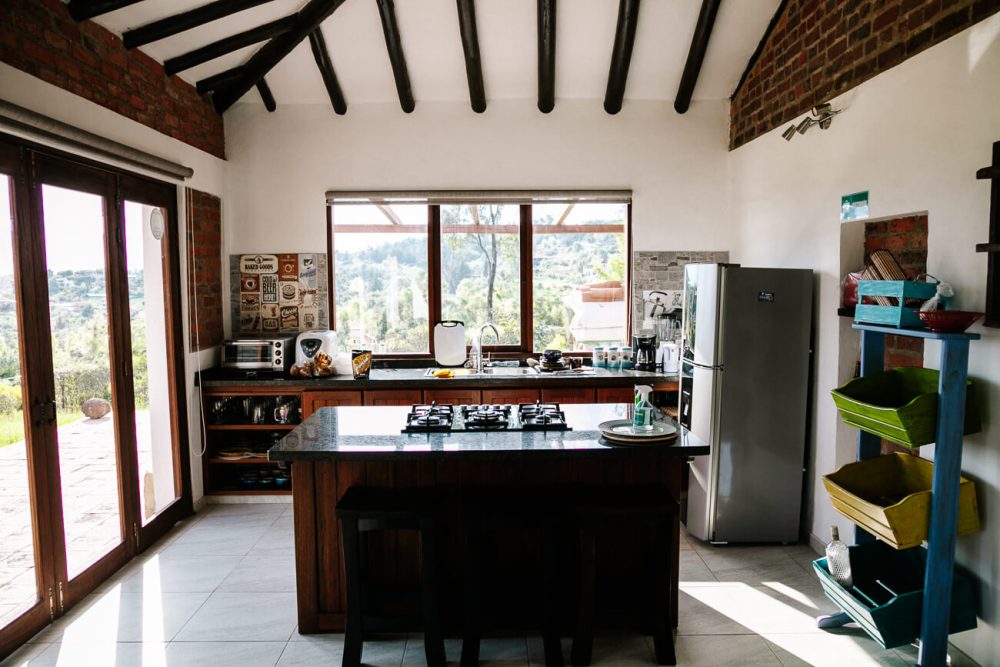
point(699, 333)
point(698, 414)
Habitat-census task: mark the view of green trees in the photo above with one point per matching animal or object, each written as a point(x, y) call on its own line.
point(381, 285)
point(78, 316)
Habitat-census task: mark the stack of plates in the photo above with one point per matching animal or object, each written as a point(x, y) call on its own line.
point(622, 432)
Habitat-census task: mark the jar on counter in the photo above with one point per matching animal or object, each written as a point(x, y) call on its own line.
point(598, 357)
point(625, 355)
point(613, 357)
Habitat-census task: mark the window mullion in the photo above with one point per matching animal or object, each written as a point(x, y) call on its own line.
point(527, 277)
point(433, 271)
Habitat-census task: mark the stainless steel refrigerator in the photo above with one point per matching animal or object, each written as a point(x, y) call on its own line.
point(744, 389)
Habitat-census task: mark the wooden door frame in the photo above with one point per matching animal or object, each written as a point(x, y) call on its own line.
point(19, 159)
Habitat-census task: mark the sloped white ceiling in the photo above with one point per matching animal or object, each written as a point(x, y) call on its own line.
point(507, 39)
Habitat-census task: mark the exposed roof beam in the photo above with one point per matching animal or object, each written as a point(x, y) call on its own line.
point(266, 96)
point(81, 10)
point(177, 23)
point(387, 12)
point(473, 63)
point(227, 45)
point(562, 218)
point(322, 56)
point(389, 214)
point(307, 20)
point(217, 81)
point(696, 55)
point(621, 54)
point(546, 55)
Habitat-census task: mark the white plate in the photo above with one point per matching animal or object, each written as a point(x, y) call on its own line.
point(620, 430)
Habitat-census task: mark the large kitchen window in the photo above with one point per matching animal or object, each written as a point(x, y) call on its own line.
point(550, 270)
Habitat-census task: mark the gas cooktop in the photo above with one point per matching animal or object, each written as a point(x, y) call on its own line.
point(435, 418)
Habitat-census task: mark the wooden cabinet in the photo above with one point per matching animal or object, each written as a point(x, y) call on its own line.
point(453, 396)
point(615, 395)
point(568, 395)
point(314, 400)
point(510, 395)
point(393, 397)
point(241, 424)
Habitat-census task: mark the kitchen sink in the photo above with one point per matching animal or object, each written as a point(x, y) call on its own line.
point(508, 370)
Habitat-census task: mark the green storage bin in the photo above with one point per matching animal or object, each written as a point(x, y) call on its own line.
point(887, 598)
point(899, 405)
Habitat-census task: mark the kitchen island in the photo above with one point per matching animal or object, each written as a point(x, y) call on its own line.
point(339, 447)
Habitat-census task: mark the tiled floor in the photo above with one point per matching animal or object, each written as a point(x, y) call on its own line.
point(220, 591)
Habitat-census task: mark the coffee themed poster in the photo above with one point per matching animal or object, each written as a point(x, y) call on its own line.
point(279, 293)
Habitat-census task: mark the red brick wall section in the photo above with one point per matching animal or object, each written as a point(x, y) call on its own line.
point(40, 38)
point(818, 49)
point(204, 255)
point(906, 239)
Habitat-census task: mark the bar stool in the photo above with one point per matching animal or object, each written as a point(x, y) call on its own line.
point(509, 512)
point(363, 510)
point(651, 509)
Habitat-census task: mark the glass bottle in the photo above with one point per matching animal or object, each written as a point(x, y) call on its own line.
point(838, 560)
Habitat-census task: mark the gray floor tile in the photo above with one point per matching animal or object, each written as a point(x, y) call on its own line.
point(724, 651)
point(180, 573)
point(262, 573)
point(125, 617)
point(147, 654)
point(313, 650)
point(693, 568)
point(831, 650)
point(242, 617)
point(697, 618)
point(224, 654)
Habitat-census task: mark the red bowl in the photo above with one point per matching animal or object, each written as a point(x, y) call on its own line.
point(948, 321)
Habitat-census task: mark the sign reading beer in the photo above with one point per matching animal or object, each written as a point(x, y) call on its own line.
point(279, 293)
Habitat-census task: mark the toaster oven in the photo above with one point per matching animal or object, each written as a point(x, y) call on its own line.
point(273, 353)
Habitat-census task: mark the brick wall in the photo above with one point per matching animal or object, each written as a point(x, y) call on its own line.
point(817, 49)
point(204, 254)
point(40, 38)
point(906, 239)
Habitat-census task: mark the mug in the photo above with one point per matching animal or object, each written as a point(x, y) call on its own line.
point(283, 413)
point(257, 417)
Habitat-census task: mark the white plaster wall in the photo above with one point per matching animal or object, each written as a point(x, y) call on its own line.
point(27, 91)
point(914, 137)
point(282, 163)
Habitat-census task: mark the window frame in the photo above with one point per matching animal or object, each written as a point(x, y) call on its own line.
point(434, 299)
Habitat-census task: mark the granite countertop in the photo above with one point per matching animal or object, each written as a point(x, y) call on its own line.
point(374, 433)
point(383, 378)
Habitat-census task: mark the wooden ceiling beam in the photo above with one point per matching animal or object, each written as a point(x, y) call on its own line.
point(178, 23)
point(621, 54)
point(307, 20)
point(473, 62)
point(696, 54)
point(387, 12)
point(546, 55)
point(217, 81)
point(227, 45)
point(81, 10)
point(265, 95)
point(322, 56)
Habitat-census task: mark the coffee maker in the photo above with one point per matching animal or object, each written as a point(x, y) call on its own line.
point(644, 352)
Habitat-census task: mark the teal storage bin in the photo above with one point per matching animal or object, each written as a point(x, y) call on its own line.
point(887, 598)
point(899, 315)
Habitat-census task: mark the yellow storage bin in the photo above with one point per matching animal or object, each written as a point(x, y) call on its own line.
point(890, 497)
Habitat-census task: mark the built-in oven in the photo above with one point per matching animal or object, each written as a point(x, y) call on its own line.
point(272, 353)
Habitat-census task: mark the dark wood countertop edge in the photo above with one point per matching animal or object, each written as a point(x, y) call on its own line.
point(666, 451)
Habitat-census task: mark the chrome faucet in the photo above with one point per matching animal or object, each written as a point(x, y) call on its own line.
point(477, 346)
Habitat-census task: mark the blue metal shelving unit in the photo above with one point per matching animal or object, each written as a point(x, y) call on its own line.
point(942, 530)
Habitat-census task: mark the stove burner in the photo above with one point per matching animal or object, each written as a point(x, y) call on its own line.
point(482, 417)
point(429, 418)
point(542, 417)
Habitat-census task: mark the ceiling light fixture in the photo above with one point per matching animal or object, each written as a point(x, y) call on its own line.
point(822, 115)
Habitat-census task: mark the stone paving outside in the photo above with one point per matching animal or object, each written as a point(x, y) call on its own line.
point(87, 468)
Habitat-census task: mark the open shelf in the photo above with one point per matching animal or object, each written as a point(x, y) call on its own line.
point(250, 427)
point(256, 460)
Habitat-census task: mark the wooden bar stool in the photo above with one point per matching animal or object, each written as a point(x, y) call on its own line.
point(509, 512)
point(363, 510)
point(650, 509)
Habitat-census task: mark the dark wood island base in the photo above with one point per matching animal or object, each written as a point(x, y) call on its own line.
point(341, 447)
